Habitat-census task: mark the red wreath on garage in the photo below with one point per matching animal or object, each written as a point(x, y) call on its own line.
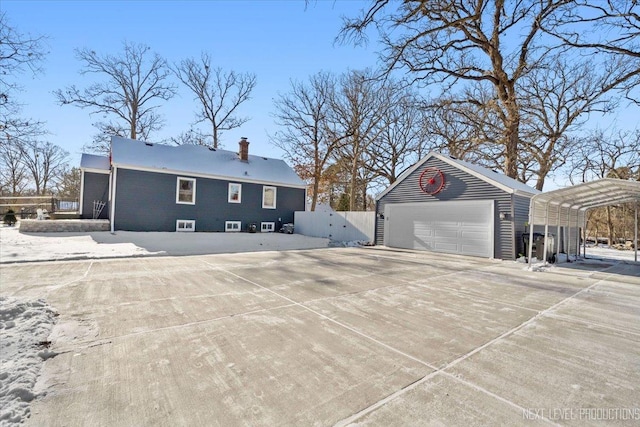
point(431, 181)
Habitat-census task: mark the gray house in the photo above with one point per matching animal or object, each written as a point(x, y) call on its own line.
point(155, 187)
point(443, 204)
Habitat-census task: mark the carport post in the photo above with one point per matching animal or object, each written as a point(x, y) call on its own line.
point(546, 232)
point(532, 212)
point(557, 242)
point(568, 232)
point(577, 233)
point(584, 230)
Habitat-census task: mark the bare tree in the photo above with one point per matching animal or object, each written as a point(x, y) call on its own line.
point(400, 139)
point(599, 155)
point(13, 174)
point(609, 29)
point(219, 92)
point(358, 107)
point(192, 137)
point(464, 41)
point(308, 137)
point(556, 97)
point(19, 53)
point(133, 83)
point(493, 44)
point(45, 162)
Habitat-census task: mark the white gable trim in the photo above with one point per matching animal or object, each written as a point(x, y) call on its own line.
point(92, 170)
point(209, 176)
point(456, 165)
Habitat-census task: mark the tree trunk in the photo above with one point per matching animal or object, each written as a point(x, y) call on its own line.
point(610, 225)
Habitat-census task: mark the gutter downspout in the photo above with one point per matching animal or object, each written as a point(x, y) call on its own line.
point(112, 217)
point(81, 201)
point(635, 244)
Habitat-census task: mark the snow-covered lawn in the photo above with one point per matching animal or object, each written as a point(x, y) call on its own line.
point(606, 252)
point(20, 247)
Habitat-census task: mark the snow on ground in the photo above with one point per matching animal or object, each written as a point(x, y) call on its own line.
point(24, 328)
point(606, 252)
point(20, 247)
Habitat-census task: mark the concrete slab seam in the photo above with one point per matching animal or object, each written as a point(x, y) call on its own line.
point(395, 350)
point(398, 393)
point(101, 341)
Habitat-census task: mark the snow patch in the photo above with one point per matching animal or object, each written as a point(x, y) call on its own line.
point(24, 328)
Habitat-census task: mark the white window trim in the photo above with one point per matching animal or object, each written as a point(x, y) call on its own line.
point(267, 227)
point(186, 221)
point(275, 196)
point(229, 199)
point(178, 179)
point(227, 224)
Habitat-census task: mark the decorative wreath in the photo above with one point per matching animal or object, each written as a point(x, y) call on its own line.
point(431, 181)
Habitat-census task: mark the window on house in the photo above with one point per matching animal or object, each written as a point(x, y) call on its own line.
point(185, 225)
point(267, 227)
point(235, 193)
point(186, 191)
point(232, 226)
point(268, 197)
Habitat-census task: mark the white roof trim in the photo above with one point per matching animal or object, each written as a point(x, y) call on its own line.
point(92, 170)
point(203, 175)
point(468, 168)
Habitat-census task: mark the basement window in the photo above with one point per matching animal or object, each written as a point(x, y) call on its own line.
point(185, 225)
point(232, 226)
point(267, 227)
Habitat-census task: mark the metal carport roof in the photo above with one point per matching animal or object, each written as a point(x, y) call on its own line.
point(568, 206)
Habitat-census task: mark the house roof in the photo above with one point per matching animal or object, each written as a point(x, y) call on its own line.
point(201, 161)
point(91, 161)
point(496, 179)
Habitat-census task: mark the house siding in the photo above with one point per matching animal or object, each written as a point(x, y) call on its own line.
point(459, 185)
point(146, 201)
point(95, 188)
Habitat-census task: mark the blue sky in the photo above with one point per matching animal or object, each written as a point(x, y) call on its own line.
point(276, 40)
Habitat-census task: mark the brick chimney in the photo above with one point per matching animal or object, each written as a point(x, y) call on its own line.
point(244, 149)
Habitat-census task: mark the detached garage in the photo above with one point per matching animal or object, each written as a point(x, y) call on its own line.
point(443, 204)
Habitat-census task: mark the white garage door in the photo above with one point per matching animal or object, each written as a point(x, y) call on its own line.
point(458, 227)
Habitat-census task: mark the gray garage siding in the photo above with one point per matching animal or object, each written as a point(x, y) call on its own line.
point(96, 188)
point(146, 201)
point(459, 185)
point(521, 217)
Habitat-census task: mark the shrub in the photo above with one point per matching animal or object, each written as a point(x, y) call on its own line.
point(10, 217)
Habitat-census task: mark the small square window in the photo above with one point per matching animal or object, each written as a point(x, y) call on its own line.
point(268, 197)
point(185, 225)
point(232, 226)
point(235, 193)
point(267, 227)
point(186, 191)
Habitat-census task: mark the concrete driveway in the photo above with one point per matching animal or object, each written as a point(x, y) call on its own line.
point(335, 336)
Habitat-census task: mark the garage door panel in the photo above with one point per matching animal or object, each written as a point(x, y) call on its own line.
point(458, 227)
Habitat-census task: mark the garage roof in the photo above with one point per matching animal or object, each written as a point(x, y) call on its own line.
point(545, 208)
point(497, 179)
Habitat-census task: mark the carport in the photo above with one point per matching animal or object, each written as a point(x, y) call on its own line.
point(567, 208)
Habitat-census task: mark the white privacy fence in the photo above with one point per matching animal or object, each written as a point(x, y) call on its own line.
point(338, 226)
